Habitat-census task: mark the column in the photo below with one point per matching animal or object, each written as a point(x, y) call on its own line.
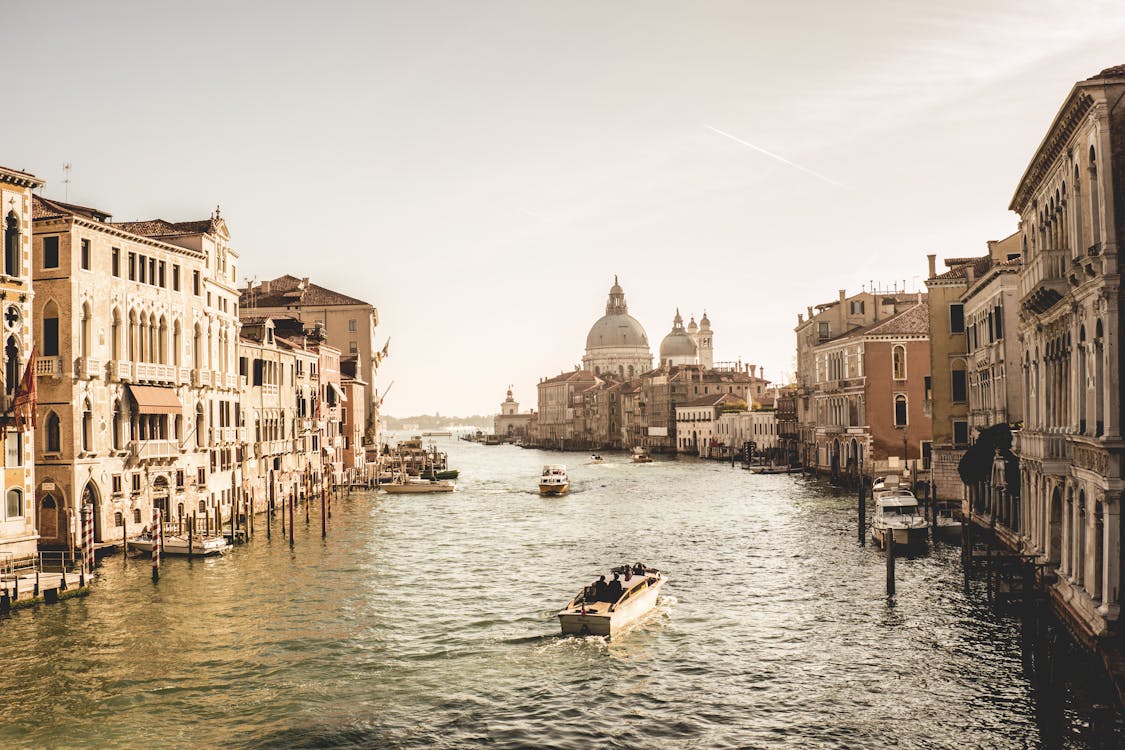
point(1111, 394)
point(1111, 553)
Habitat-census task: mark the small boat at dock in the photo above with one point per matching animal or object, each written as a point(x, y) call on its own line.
point(414, 486)
point(587, 614)
point(897, 515)
point(180, 545)
point(553, 480)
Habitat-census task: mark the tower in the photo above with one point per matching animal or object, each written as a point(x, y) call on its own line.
point(706, 341)
point(510, 405)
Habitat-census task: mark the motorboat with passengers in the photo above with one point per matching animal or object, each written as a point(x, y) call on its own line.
point(553, 480)
point(591, 613)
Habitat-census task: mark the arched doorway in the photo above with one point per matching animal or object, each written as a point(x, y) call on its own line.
point(49, 519)
point(90, 497)
point(160, 495)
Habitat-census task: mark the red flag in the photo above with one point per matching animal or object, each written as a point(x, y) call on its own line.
point(26, 402)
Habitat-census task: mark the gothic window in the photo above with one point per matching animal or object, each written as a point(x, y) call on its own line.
point(898, 358)
point(87, 426)
point(14, 503)
point(199, 425)
point(54, 441)
point(11, 366)
point(1095, 208)
point(85, 331)
point(116, 437)
point(12, 244)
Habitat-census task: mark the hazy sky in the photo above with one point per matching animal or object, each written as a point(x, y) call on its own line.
point(479, 170)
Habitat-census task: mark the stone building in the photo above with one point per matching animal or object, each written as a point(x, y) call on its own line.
point(510, 422)
point(697, 424)
point(830, 387)
point(348, 323)
point(666, 388)
point(617, 343)
point(20, 524)
point(788, 435)
point(1068, 508)
point(353, 419)
point(137, 377)
point(561, 422)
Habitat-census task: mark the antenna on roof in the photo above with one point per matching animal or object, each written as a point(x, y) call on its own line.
point(66, 181)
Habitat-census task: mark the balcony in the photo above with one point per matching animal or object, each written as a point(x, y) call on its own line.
point(232, 381)
point(154, 450)
point(1043, 281)
point(1051, 449)
point(271, 447)
point(225, 435)
point(88, 367)
point(48, 367)
point(154, 373)
point(121, 370)
point(201, 378)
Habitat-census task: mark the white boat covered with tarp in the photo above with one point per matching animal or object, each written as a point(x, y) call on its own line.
point(605, 613)
point(897, 514)
point(203, 546)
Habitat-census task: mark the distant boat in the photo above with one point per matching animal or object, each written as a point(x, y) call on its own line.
point(553, 480)
point(583, 615)
point(596, 459)
point(437, 434)
point(769, 469)
point(640, 456)
point(441, 474)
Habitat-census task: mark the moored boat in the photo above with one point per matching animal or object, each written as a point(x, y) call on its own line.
point(588, 614)
point(179, 545)
point(553, 480)
point(441, 474)
point(414, 486)
point(947, 526)
point(897, 515)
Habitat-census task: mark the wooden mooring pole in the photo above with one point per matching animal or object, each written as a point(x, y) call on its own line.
point(862, 513)
point(323, 520)
point(292, 502)
point(889, 535)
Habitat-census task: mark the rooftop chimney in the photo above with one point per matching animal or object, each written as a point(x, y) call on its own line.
point(843, 294)
point(809, 308)
point(932, 260)
point(800, 318)
point(970, 273)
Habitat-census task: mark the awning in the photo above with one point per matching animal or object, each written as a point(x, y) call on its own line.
point(152, 399)
point(339, 391)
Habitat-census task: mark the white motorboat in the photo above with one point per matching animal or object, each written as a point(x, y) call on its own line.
point(947, 526)
point(584, 615)
point(897, 513)
point(553, 480)
point(640, 456)
point(179, 545)
point(415, 486)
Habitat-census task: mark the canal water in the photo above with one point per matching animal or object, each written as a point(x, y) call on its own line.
point(428, 622)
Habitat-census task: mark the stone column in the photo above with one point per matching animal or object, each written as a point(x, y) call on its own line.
point(1064, 535)
point(1111, 553)
point(1111, 393)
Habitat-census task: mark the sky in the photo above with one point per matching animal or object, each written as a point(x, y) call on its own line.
point(479, 171)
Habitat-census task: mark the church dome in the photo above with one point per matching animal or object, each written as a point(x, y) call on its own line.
point(678, 343)
point(705, 322)
point(617, 328)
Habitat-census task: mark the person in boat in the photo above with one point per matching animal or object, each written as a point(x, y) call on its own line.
point(600, 589)
point(639, 569)
point(614, 590)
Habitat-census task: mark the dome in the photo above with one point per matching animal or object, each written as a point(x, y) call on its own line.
point(705, 322)
point(691, 326)
point(617, 330)
point(678, 343)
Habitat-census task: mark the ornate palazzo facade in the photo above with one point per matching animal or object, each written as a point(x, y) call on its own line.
point(1071, 447)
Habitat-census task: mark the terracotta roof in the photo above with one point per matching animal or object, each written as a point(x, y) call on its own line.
point(713, 399)
point(45, 208)
point(913, 320)
point(162, 228)
point(289, 291)
point(979, 266)
point(1117, 71)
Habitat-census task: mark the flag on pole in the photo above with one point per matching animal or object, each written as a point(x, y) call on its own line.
point(27, 400)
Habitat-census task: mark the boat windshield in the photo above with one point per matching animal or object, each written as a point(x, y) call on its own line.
point(900, 510)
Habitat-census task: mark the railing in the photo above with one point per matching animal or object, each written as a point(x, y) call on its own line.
point(227, 434)
point(184, 375)
point(154, 372)
point(88, 367)
point(1042, 282)
point(154, 450)
point(232, 380)
point(48, 367)
point(200, 378)
point(270, 447)
point(1040, 445)
point(120, 369)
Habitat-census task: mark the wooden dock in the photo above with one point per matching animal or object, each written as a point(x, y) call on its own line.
point(31, 588)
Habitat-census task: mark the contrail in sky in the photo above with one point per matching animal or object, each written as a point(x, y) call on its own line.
point(781, 159)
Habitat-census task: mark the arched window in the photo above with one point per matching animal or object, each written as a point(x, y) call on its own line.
point(176, 343)
point(12, 244)
point(115, 336)
point(898, 360)
point(197, 349)
point(134, 336)
point(900, 410)
point(11, 366)
point(116, 437)
point(960, 381)
point(14, 503)
point(84, 333)
point(54, 441)
point(87, 426)
point(50, 330)
point(162, 342)
point(199, 429)
point(1099, 381)
point(1095, 206)
point(136, 515)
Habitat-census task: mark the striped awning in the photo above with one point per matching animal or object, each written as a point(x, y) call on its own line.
point(153, 399)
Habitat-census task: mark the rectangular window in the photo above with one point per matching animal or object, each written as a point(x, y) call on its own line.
point(195, 283)
point(136, 476)
point(998, 318)
point(115, 261)
point(132, 266)
point(50, 337)
point(960, 432)
point(928, 384)
point(116, 480)
point(50, 252)
point(202, 476)
point(960, 386)
point(180, 478)
point(927, 454)
point(353, 325)
point(822, 331)
point(956, 318)
point(14, 452)
point(175, 278)
point(142, 273)
point(86, 255)
point(152, 271)
point(857, 307)
point(242, 366)
point(353, 347)
point(259, 370)
point(160, 275)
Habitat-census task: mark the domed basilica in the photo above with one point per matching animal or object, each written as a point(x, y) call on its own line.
point(617, 343)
